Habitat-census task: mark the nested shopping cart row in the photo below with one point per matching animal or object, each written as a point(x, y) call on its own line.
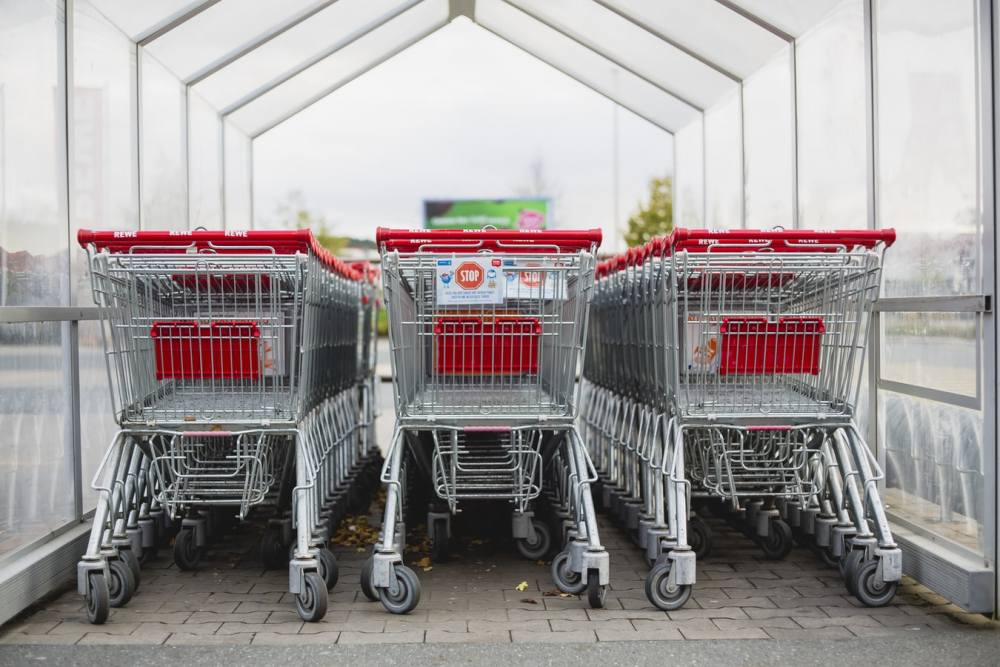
point(241, 367)
point(487, 329)
point(723, 369)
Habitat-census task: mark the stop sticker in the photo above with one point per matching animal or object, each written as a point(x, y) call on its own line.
point(531, 278)
point(469, 275)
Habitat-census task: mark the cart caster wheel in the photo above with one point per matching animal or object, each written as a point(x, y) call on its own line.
point(272, 551)
point(120, 585)
point(312, 601)
point(440, 535)
point(650, 562)
point(596, 594)
point(98, 598)
point(148, 555)
point(778, 542)
point(868, 590)
point(533, 550)
point(824, 555)
point(849, 566)
point(699, 538)
point(366, 581)
point(128, 557)
point(801, 538)
point(661, 593)
point(187, 554)
point(329, 570)
point(567, 580)
point(407, 594)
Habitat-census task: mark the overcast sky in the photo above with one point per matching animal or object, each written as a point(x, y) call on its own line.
point(462, 114)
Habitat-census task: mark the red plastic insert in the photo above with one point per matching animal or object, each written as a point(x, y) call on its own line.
point(220, 351)
point(754, 346)
point(238, 283)
point(469, 346)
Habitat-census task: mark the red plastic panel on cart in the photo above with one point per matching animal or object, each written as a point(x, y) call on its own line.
point(469, 346)
point(755, 346)
point(219, 351)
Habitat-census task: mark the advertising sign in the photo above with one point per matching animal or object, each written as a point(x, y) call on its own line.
point(478, 213)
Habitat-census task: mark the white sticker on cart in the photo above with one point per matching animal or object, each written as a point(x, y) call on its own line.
point(701, 347)
point(536, 281)
point(468, 281)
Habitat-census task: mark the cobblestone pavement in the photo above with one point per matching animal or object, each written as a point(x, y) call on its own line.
point(231, 599)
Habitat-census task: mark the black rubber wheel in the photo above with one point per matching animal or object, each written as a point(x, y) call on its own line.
point(778, 542)
point(129, 558)
point(661, 594)
point(801, 538)
point(311, 603)
point(272, 551)
point(596, 594)
point(567, 580)
point(540, 546)
point(440, 535)
point(867, 590)
point(650, 562)
point(148, 555)
point(699, 538)
point(187, 554)
point(98, 598)
point(849, 565)
point(825, 555)
point(329, 570)
point(407, 594)
point(366, 580)
point(121, 584)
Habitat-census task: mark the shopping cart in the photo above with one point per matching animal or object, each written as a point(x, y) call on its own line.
point(486, 328)
point(753, 344)
point(236, 364)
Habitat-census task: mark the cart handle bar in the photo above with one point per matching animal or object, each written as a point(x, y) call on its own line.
point(281, 242)
point(497, 240)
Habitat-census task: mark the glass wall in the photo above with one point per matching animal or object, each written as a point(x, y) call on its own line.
point(163, 147)
point(928, 188)
point(238, 178)
point(204, 164)
point(724, 164)
point(689, 175)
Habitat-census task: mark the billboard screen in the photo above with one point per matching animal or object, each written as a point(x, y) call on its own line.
point(477, 213)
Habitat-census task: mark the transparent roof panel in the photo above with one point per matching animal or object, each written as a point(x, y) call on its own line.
point(138, 19)
point(297, 48)
point(633, 48)
point(584, 65)
point(222, 30)
point(794, 17)
point(316, 82)
point(707, 28)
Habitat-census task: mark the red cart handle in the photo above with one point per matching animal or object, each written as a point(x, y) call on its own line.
point(497, 240)
point(281, 242)
point(779, 240)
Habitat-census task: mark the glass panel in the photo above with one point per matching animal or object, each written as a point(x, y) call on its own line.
point(341, 67)
point(928, 141)
point(689, 186)
point(707, 28)
point(162, 148)
point(239, 178)
point(586, 66)
point(830, 93)
point(934, 466)
point(138, 19)
point(723, 165)
point(767, 124)
point(794, 17)
point(105, 179)
point(631, 46)
point(97, 419)
point(33, 221)
point(311, 40)
point(220, 31)
point(936, 350)
point(204, 164)
point(36, 478)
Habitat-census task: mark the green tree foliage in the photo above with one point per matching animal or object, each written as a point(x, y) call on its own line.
point(293, 214)
point(655, 217)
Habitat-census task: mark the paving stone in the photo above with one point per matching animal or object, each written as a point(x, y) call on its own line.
point(788, 582)
point(256, 598)
point(651, 614)
point(663, 634)
point(145, 638)
point(290, 628)
point(816, 622)
point(411, 637)
point(403, 624)
point(487, 637)
point(685, 614)
point(438, 615)
point(375, 627)
point(64, 639)
point(788, 612)
point(170, 628)
point(192, 639)
point(534, 637)
point(541, 615)
point(271, 638)
point(718, 603)
point(743, 623)
point(739, 593)
point(745, 633)
point(559, 625)
point(77, 627)
point(380, 613)
point(829, 601)
point(486, 626)
point(214, 617)
point(205, 607)
point(29, 628)
point(810, 633)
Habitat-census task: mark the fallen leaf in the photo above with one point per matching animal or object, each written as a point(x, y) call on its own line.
point(423, 562)
point(429, 568)
point(361, 550)
point(529, 601)
point(540, 562)
point(522, 586)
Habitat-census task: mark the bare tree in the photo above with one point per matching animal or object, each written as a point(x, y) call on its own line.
point(537, 182)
